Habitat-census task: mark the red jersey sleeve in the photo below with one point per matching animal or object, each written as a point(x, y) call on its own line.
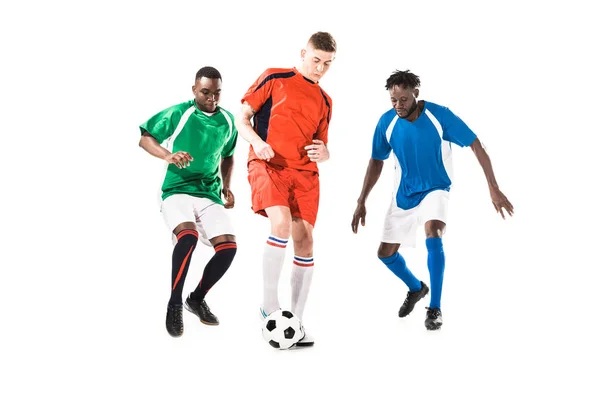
point(260, 91)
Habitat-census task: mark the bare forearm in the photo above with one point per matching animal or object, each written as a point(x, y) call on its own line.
point(486, 163)
point(246, 131)
point(371, 178)
point(226, 171)
point(150, 144)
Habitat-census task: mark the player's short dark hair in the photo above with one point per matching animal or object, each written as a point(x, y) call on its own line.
point(323, 41)
point(208, 72)
point(403, 78)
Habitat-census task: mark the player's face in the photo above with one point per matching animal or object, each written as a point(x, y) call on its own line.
point(315, 63)
point(404, 100)
point(207, 92)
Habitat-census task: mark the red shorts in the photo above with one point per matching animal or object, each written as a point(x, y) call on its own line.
point(273, 185)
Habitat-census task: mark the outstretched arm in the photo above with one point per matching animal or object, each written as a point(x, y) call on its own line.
point(226, 170)
point(371, 177)
point(499, 200)
point(262, 150)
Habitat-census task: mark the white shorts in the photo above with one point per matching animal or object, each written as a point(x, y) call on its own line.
point(400, 226)
point(211, 218)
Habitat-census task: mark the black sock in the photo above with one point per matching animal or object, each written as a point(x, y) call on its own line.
point(215, 269)
point(182, 255)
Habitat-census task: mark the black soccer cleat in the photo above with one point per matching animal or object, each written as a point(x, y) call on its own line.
point(174, 320)
point(306, 341)
point(433, 320)
point(201, 310)
point(411, 299)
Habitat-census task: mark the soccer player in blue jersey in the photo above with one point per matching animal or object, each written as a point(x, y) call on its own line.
point(419, 134)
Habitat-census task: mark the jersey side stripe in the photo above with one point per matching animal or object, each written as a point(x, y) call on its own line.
point(169, 144)
point(446, 149)
point(390, 128)
point(327, 104)
point(229, 122)
point(179, 128)
point(397, 168)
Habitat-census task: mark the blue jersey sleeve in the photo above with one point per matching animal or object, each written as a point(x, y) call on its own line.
point(381, 147)
point(455, 130)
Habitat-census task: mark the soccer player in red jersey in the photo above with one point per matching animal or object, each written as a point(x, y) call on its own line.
point(285, 117)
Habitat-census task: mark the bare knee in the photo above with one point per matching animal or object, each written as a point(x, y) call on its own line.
point(387, 249)
point(303, 244)
point(281, 229)
point(183, 226)
point(281, 221)
point(222, 239)
point(302, 235)
point(434, 228)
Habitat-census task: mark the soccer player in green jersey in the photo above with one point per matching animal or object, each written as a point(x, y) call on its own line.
point(197, 140)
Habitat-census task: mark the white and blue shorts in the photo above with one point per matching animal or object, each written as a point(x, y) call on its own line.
point(400, 226)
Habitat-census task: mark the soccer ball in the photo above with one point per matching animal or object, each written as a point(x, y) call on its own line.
point(282, 329)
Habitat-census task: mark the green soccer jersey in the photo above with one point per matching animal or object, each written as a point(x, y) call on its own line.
point(207, 138)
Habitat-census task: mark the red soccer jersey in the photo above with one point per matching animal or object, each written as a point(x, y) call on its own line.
point(291, 111)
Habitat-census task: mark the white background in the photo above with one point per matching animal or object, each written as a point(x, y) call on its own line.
point(85, 258)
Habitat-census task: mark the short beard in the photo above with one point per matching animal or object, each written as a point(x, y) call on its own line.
point(412, 110)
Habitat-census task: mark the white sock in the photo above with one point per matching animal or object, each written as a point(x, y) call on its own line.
point(302, 273)
point(273, 258)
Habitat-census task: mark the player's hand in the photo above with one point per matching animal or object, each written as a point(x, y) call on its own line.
point(263, 150)
point(501, 203)
point(359, 216)
point(317, 152)
point(181, 159)
point(229, 198)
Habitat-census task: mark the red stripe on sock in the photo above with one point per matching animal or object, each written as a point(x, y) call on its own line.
point(304, 265)
point(182, 266)
point(187, 232)
point(225, 246)
point(276, 244)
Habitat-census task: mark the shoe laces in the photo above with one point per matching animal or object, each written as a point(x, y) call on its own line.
point(407, 300)
point(177, 315)
point(433, 312)
point(204, 306)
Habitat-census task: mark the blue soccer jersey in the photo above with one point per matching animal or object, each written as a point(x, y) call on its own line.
point(421, 150)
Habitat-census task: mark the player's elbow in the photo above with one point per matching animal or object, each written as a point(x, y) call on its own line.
point(476, 145)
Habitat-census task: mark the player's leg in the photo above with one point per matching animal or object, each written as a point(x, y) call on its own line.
point(400, 227)
point(215, 223)
point(389, 255)
point(304, 207)
point(268, 187)
point(179, 216)
point(274, 256)
point(302, 269)
point(436, 260)
point(434, 209)
point(436, 263)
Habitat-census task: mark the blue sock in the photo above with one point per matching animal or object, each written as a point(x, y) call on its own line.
point(436, 262)
point(397, 265)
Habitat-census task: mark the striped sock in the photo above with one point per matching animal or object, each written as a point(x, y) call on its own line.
point(273, 257)
point(215, 268)
point(182, 256)
point(302, 273)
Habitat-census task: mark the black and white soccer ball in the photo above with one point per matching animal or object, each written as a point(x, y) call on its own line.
point(282, 329)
